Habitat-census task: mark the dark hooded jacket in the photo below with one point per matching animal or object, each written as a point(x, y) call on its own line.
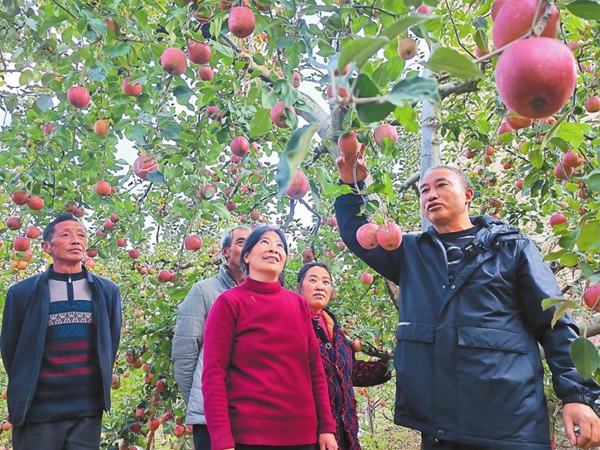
point(24, 325)
point(468, 365)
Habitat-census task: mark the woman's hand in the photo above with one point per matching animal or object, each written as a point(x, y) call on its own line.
point(327, 441)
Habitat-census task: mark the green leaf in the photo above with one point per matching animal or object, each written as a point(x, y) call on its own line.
point(156, 177)
point(571, 133)
point(561, 310)
point(296, 150)
point(11, 7)
point(550, 302)
point(456, 64)
point(373, 111)
point(284, 42)
point(260, 123)
point(588, 240)
point(26, 77)
point(360, 50)
point(97, 74)
point(569, 260)
point(403, 24)
point(586, 9)
point(183, 93)
point(120, 49)
point(170, 131)
point(412, 89)
point(44, 102)
point(218, 47)
point(585, 356)
point(536, 158)
point(593, 180)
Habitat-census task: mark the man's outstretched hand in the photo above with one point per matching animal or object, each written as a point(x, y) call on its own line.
point(345, 166)
point(589, 425)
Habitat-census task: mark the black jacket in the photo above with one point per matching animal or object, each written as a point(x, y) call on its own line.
point(24, 326)
point(468, 366)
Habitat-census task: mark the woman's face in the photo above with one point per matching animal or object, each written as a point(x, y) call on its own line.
point(266, 259)
point(317, 288)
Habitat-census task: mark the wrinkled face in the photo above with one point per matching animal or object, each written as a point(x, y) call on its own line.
point(68, 242)
point(443, 198)
point(316, 288)
point(266, 259)
point(233, 253)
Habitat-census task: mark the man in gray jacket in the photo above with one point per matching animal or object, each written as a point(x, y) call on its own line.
point(189, 332)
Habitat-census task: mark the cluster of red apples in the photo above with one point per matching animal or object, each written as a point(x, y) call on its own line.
point(388, 236)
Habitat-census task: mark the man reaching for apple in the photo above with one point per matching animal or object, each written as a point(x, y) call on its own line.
point(187, 350)
point(468, 365)
point(60, 333)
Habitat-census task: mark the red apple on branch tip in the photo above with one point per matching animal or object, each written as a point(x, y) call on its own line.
point(108, 225)
point(366, 236)
point(33, 232)
point(102, 188)
point(140, 413)
point(207, 191)
point(389, 236)
point(135, 427)
point(385, 131)
point(153, 424)
point(173, 61)
point(296, 80)
point(469, 154)
point(21, 244)
point(206, 73)
point(504, 128)
point(298, 186)
point(178, 431)
point(307, 256)
point(192, 243)
point(101, 127)
point(239, 146)
point(557, 219)
point(278, 116)
point(198, 52)
point(366, 278)
point(591, 297)
point(340, 245)
point(114, 218)
point(91, 252)
point(161, 385)
point(516, 19)
point(519, 183)
point(241, 22)
point(166, 417)
point(592, 104)
point(489, 150)
point(20, 197)
point(164, 276)
point(213, 113)
point(254, 215)
point(78, 96)
point(36, 203)
point(536, 77)
point(348, 144)
point(121, 242)
point(424, 9)
point(131, 89)
point(563, 172)
point(345, 71)
point(48, 128)
point(407, 48)
point(507, 165)
point(515, 122)
point(133, 254)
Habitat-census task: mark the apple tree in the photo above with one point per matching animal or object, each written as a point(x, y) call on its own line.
point(163, 123)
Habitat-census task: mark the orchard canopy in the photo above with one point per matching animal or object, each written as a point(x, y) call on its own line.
point(157, 121)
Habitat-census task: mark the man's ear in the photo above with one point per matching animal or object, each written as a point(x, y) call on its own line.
point(46, 247)
point(225, 252)
point(469, 194)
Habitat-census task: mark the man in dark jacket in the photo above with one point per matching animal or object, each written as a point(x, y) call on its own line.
point(189, 332)
point(60, 333)
point(468, 367)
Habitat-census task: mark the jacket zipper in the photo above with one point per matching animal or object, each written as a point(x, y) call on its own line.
point(70, 291)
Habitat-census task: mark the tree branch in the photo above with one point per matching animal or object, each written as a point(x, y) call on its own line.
point(448, 89)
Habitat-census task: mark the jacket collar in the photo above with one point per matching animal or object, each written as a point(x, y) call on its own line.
point(89, 276)
point(225, 275)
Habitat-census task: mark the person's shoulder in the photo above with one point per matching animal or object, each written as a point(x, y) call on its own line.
point(25, 284)
point(103, 282)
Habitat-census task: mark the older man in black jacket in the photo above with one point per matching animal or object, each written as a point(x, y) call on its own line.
point(60, 333)
point(468, 366)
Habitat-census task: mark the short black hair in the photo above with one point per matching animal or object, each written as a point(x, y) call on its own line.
point(306, 267)
point(228, 236)
point(253, 239)
point(49, 231)
point(465, 181)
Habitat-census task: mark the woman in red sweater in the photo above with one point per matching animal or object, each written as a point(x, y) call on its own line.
point(263, 381)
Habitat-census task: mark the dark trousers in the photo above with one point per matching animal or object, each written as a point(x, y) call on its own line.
point(201, 437)
point(431, 443)
point(269, 447)
point(80, 433)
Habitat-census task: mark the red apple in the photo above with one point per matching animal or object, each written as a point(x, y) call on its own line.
point(515, 122)
point(134, 254)
point(207, 191)
point(366, 278)
point(340, 245)
point(407, 48)
point(296, 80)
point(504, 128)
point(193, 243)
point(496, 6)
point(144, 165)
point(516, 17)
point(173, 61)
point(102, 188)
point(571, 159)
point(563, 172)
point(298, 186)
point(536, 77)
point(592, 104)
point(366, 236)
point(135, 427)
point(213, 113)
point(101, 127)
point(357, 344)
point(166, 417)
point(164, 276)
point(48, 128)
point(469, 154)
point(424, 9)
point(78, 96)
point(389, 236)
point(33, 232)
point(591, 297)
point(385, 131)
point(278, 116)
point(206, 73)
point(239, 146)
point(348, 144)
point(132, 89)
point(178, 431)
point(121, 242)
point(36, 203)
point(557, 219)
point(161, 385)
point(21, 244)
point(241, 22)
point(153, 424)
point(519, 183)
point(20, 197)
point(198, 52)
point(114, 218)
point(91, 252)
point(108, 225)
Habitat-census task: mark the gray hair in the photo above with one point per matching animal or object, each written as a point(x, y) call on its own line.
point(465, 181)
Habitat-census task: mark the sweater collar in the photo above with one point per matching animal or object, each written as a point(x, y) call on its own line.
point(262, 287)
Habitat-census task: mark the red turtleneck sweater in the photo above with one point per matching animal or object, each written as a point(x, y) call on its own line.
point(263, 381)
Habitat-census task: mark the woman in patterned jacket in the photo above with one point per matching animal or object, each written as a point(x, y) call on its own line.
point(342, 370)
